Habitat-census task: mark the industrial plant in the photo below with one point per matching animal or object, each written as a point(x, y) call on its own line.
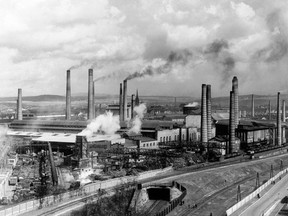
point(69, 154)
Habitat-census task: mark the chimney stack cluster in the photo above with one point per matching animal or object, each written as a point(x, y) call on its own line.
point(206, 130)
point(123, 103)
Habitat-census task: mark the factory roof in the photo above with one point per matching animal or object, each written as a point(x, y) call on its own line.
point(71, 138)
point(50, 122)
point(144, 139)
point(59, 138)
point(251, 124)
point(174, 116)
point(219, 139)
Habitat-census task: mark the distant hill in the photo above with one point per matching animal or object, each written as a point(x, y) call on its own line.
point(36, 98)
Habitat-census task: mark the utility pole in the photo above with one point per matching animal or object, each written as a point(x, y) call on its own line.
point(257, 180)
point(271, 171)
point(238, 194)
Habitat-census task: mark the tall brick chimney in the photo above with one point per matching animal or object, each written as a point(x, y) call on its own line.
point(19, 105)
point(236, 93)
point(232, 125)
point(270, 111)
point(125, 100)
point(279, 128)
point(121, 103)
point(209, 120)
point(68, 96)
point(252, 107)
point(90, 94)
point(204, 137)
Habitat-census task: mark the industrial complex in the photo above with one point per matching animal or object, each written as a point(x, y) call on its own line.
point(65, 151)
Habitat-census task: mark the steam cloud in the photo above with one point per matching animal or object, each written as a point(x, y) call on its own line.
point(137, 120)
point(194, 104)
point(105, 124)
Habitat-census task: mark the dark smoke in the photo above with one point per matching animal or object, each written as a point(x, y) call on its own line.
point(175, 58)
point(229, 64)
point(278, 46)
point(114, 75)
point(218, 52)
point(216, 47)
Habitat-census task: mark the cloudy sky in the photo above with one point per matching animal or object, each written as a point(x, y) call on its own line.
point(178, 44)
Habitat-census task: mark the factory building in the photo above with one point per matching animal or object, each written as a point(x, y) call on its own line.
point(140, 141)
point(252, 134)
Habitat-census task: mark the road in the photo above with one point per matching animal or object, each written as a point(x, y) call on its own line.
point(269, 199)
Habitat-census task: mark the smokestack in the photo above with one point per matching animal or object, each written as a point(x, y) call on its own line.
point(90, 94)
point(68, 96)
point(270, 110)
point(94, 113)
point(209, 121)
point(236, 94)
point(132, 105)
point(252, 111)
point(232, 125)
point(283, 111)
point(125, 100)
point(278, 120)
point(121, 103)
point(19, 105)
point(284, 120)
point(204, 115)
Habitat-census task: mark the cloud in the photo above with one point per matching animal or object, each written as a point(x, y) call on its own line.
point(40, 40)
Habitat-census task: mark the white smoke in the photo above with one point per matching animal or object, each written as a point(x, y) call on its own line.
point(103, 124)
point(194, 104)
point(137, 120)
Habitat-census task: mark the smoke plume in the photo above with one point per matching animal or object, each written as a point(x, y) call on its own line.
point(218, 52)
point(103, 124)
point(175, 58)
point(194, 104)
point(137, 120)
point(81, 64)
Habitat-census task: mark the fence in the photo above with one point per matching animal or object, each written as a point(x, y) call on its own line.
point(253, 194)
point(86, 190)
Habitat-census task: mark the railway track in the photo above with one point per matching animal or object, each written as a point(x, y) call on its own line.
point(168, 177)
point(202, 202)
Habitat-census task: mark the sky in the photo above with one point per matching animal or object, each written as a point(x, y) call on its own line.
point(164, 47)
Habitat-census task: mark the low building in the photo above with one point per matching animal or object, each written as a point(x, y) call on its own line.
point(252, 133)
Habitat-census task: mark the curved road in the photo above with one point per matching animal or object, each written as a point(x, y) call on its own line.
point(269, 199)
